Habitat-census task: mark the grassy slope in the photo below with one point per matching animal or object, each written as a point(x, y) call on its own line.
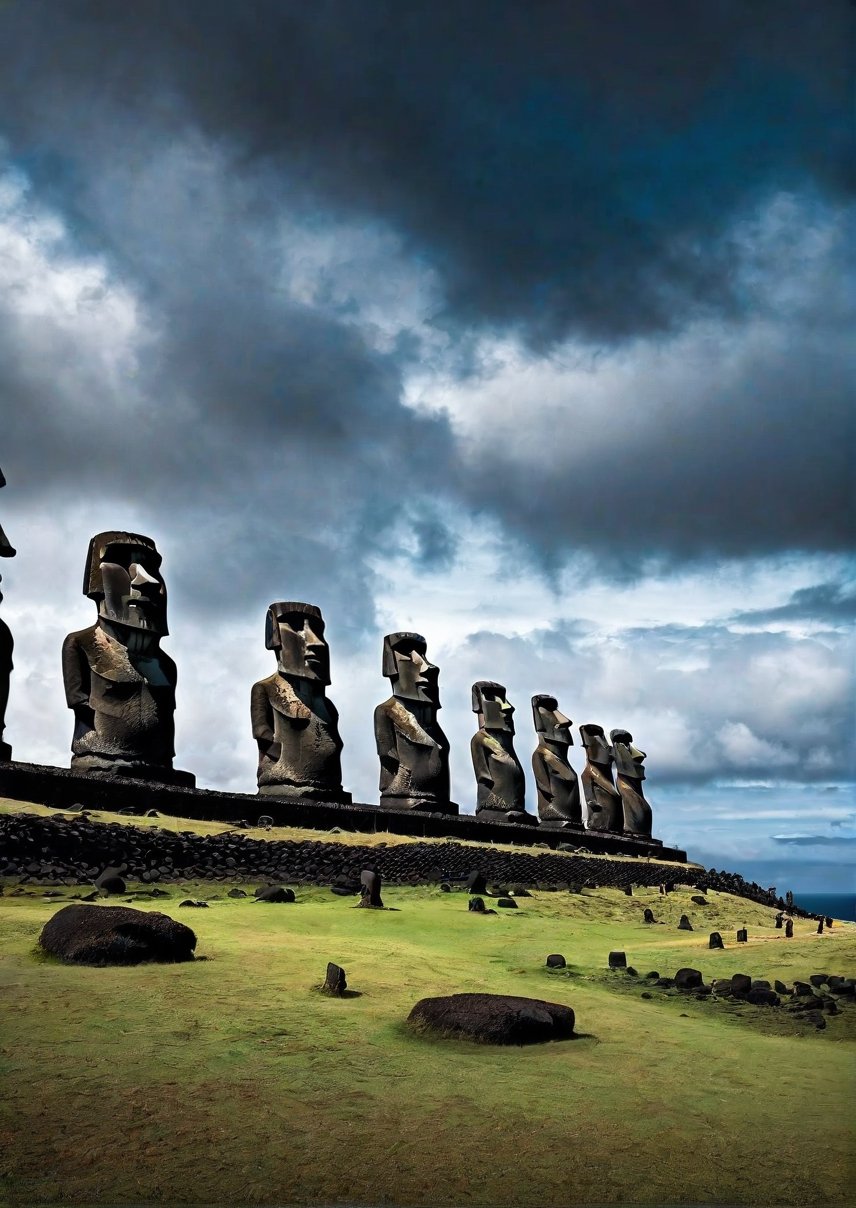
point(233, 1080)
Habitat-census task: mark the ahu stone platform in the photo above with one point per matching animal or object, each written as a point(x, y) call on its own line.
point(62, 788)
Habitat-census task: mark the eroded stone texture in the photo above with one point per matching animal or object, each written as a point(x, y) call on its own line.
point(294, 724)
point(119, 684)
point(629, 774)
point(604, 810)
point(501, 793)
point(556, 781)
point(413, 750)
point(6, 648)
point(116, 935)
point(493, 1018)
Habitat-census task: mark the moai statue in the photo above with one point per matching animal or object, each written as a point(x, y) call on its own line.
point(558, 786)
point(295, 725)
point(629, 774)
point(604, 811)
point(501, 783)
point(413, 750)
point(6, 647)
point(118, 682)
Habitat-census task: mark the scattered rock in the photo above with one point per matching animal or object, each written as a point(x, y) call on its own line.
point(688, 979)
point(780, 987)
point(699, 901)
point(116, 935)
point(652, 976)
point(617, 960)
point(275, 893)
point(556, 961)
point(648, 915)
point(190, 902)
point(741, 983)
point(236, 893)
point(476, 905)
point(630, 971)
point(506, 903)
point(819, 979)
point(265, 822)
point(493, 1018)
point(520, 891)
point(476, 882)
point(646, 994)
point(445, 887)
point(762, 998)
point(335, 982)
point(111, 881)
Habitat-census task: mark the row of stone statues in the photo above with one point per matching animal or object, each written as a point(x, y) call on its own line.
point(120, 686)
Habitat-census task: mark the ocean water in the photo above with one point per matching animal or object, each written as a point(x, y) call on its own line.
point(836, 905)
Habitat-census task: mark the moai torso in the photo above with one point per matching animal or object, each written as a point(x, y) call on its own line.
point(501, 784)
point(604, 810)
point(556, 781)
point(295, 726)
point(412, 749)
point(118, 682)
point(629, 774)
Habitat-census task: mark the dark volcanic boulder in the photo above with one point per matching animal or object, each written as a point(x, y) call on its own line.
point(476, 905)
point(476, 882)
point(506, 903)
point(762, 998)
point(699, 900)
point(370, 884)
point(116, 935)
point(741, 983)
point(556, 961)
point(275, 893)
point(688, 979)
point(742, 936)
point(617, 960)
point(111, 880)
point(335, 982)
point(493, 1018)
point(715, 940)
point(685, 924)
point(648, 915)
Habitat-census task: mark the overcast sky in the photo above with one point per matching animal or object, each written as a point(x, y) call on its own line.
point(526, 326)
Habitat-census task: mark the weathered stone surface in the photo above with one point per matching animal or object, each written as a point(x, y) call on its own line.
point(688, 979)
point(111, 881)
point(762, 998)
point(275, 893)
point(741, 983)
point(742, 936)
point(476, 905)
point(617, 960)
point(506, 903)
point(476, 882)
point(648, 915)
point(197, 905)
point(629, 774)
point(501, 785)
point(685, 924)
point(335, 982)
point(116, 935)
point(556, 961)
point(119, 684)
point(715, 940)
point(413, 750)
point(556, 781)
point(789, 929)
point(370, 886)
point(493, 1018)
point(604, 809)
point(295, 726)
point(699, 900)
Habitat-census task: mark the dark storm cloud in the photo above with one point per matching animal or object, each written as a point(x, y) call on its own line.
point(834, 603)
point(562, 171)
point(813, 840)
point(562, 166)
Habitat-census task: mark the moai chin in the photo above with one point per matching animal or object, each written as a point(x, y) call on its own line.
point(118, 682)
point(629, 774)
point(294, 724)
point(413, 750)
point(557, 783)
point(6, 648)
point(501, 784)
point(604, 811)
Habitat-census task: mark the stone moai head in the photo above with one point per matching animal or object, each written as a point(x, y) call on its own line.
point(296, 632)
point(495, 713)
point(597, 748)
point(6, 550)
point(554, 726)
point(628, 759)
point(405, 662)
point(123, 577)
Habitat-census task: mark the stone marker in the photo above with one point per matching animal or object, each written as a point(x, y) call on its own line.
point(829, 921)
point(685, 924)
point(119, 684)
point(116, 935)
point(335, 982)
point(556, 961)
point(476, 905)
point(789, 929)
point(501, 785)
point(628, 889)
point(604, 810)
point(476, 882)
point(741, 983)
point(413, 750)
point(7, 646)
point(742, 936)
point(648, 915)
point(715, 940)
point(370, 884)
point(295, 726)
point(778, 922)
point(820, 927)
point(493, 1018)
point(617, 960)
point(558, 787)
point(629, 774)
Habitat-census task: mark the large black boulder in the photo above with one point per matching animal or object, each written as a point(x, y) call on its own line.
point(493, 1018)
point(476, 882)
point(715, 940)
point(688, 979)
point(116, 935)
point(275, 893)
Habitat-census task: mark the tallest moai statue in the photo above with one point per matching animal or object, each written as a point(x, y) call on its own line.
point(6, 647)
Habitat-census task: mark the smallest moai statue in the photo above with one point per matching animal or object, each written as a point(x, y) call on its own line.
point(742, 936)
point(779, 922)
point(820, 927)
point(789, 929)
point(370, 883)
point(335, 982)
point(715, 940)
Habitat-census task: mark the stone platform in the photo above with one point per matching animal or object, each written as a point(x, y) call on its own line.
point(62, 788)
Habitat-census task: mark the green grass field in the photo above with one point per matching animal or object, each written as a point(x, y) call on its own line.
point(232, 1080)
